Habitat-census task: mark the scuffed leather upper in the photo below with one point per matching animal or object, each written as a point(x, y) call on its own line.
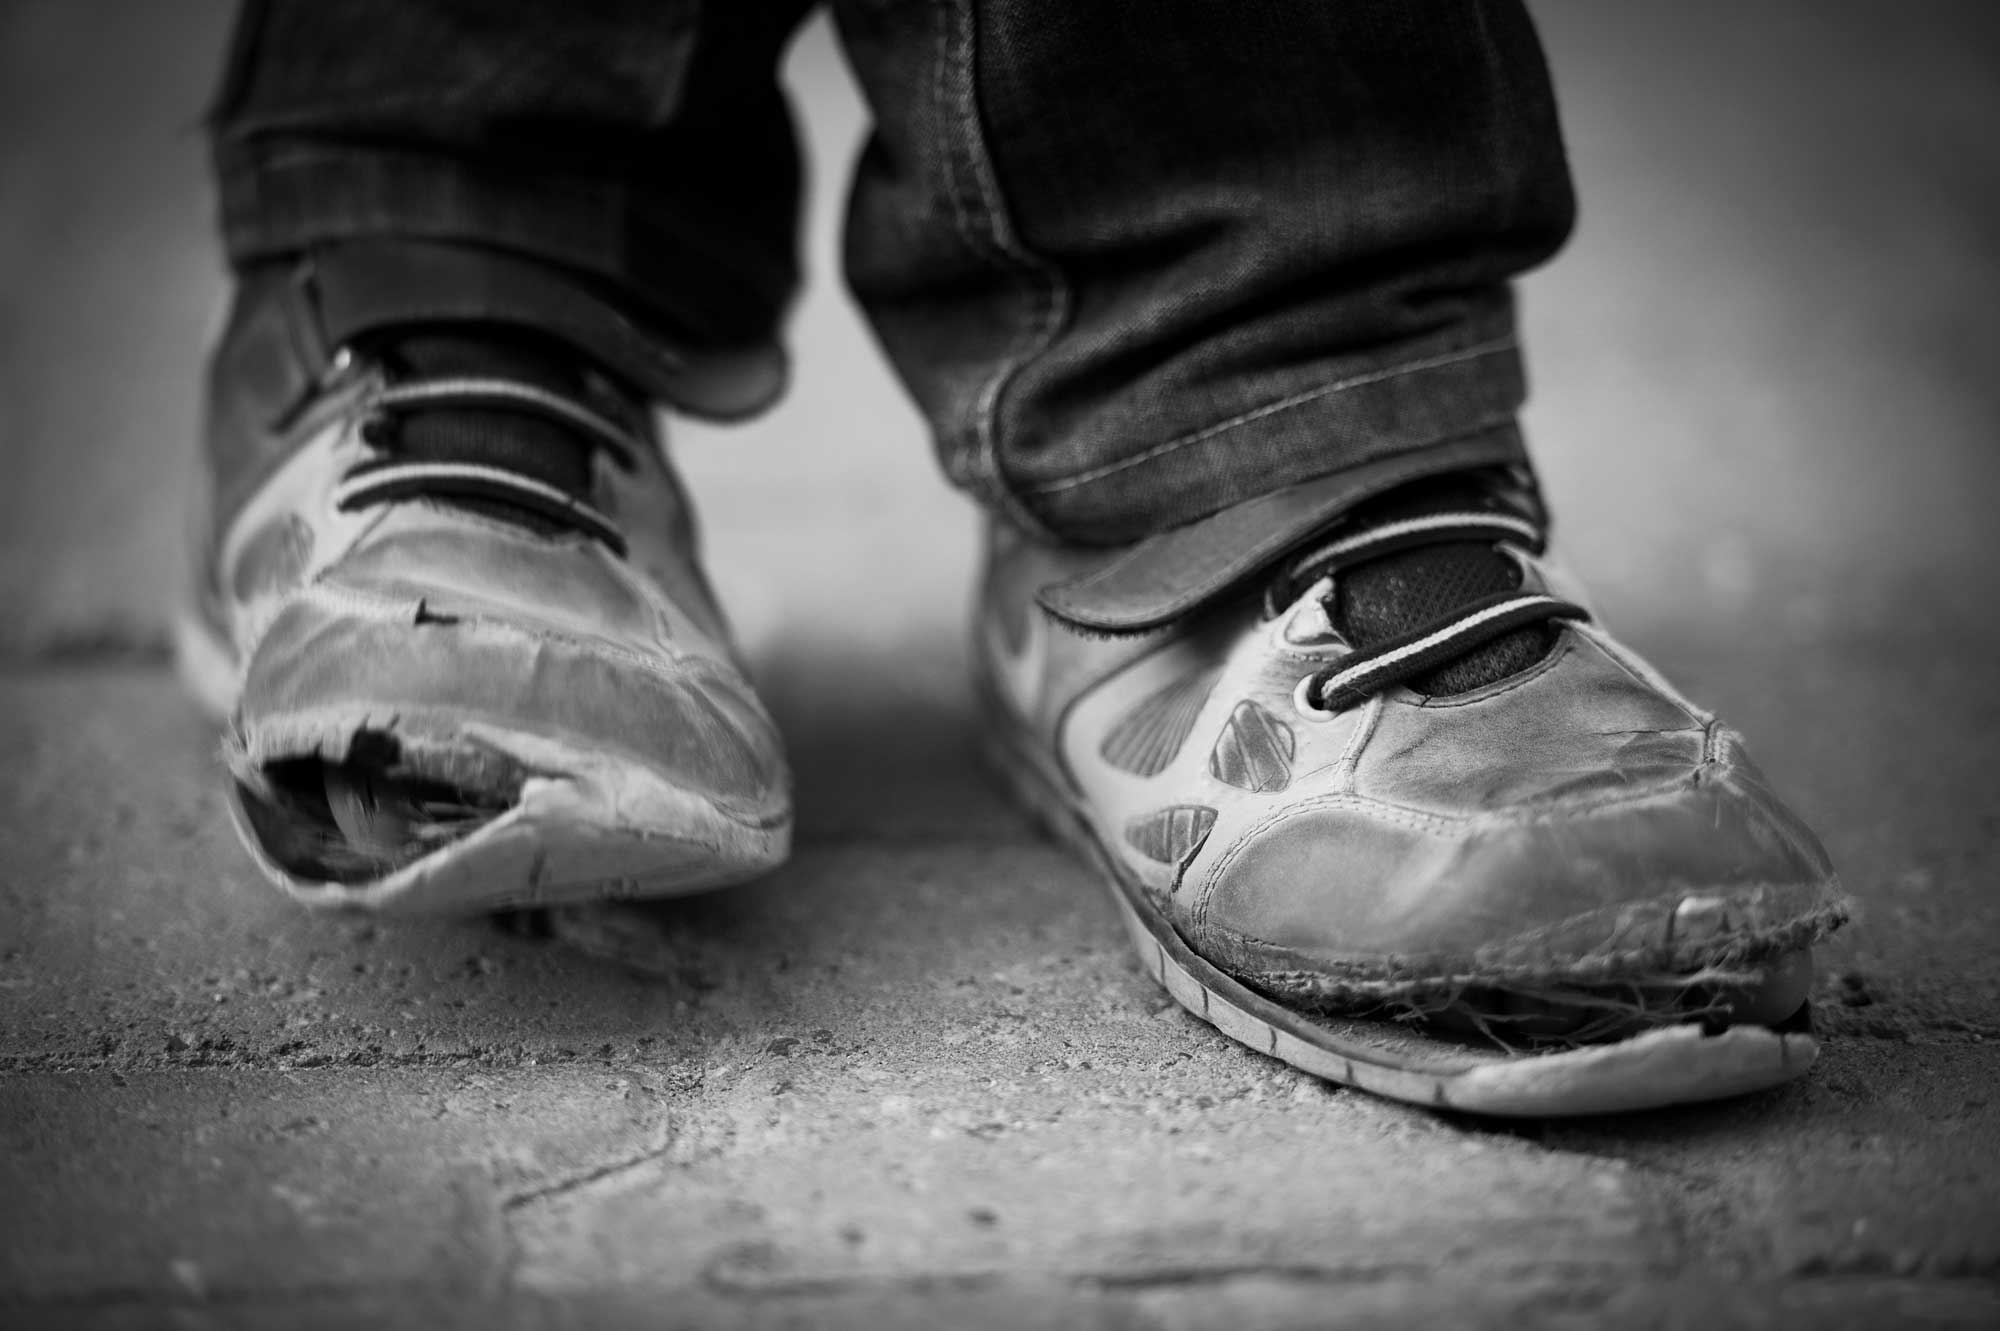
point(1550, 825)
point(434, 618)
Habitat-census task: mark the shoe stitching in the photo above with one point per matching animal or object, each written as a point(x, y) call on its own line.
point(1474, 352)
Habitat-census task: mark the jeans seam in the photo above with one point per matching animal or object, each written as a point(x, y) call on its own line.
point(997, 241)
point(1476, 351)
point(281, 157)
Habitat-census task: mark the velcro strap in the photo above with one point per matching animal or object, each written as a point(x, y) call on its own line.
point(1168, 576)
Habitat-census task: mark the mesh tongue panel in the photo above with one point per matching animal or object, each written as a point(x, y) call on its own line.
point(1411, 588)
point(512, 440)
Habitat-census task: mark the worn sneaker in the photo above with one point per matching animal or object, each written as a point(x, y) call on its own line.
point(1396, 811)
point(448, 599)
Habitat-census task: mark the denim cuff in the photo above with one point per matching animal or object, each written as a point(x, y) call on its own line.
point(1438, 407)
point(700, 286)
point(1169, 575)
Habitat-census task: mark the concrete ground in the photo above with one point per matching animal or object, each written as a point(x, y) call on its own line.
point(915, 1079)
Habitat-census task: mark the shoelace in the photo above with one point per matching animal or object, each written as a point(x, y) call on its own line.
point(1372, 669)
point(388, 479)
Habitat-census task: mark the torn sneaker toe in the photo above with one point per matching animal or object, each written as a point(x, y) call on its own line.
point(1396, 810)
point(450, 604)
point(371, 814)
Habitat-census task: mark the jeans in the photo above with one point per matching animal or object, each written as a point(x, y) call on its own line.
point(1136, 262)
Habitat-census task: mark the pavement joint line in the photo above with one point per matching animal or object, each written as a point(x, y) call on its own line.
point(664, 1137)
point(79, 1065)
point(222, 1296)
point(1358, 1273)
point(1876, 1265)
point(112, 646)
point(1586, 1284)
point(1595, 1281)
point(716, 1276)
point(56, 1066)
point(1485, 1292)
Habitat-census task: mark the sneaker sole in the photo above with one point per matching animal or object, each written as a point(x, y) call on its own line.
point(1673, 1065)
point(543, 852)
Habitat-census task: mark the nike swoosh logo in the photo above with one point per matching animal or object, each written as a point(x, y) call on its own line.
point(1021, 675)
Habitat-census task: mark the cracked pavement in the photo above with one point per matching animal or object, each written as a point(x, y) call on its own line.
point(916, 1078)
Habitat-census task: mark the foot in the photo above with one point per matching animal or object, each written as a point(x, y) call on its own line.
point(450, 606)
point(1403, 816)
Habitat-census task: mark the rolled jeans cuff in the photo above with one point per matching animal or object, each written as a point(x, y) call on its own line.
point(1442, 406)
point(699, 286)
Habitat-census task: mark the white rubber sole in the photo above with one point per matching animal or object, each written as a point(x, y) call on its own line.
point(1672, 1065)
point(608, 831)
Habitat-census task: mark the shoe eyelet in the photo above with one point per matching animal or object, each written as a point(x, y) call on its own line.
point(1303, 704)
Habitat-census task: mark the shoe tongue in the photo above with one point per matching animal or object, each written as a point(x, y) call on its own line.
point(1411, 589)
point(504, 437)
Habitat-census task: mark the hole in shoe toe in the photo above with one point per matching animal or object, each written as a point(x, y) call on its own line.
point(376, 810)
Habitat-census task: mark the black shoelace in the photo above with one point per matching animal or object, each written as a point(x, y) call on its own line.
point(1382, 665)
point(388, 478)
